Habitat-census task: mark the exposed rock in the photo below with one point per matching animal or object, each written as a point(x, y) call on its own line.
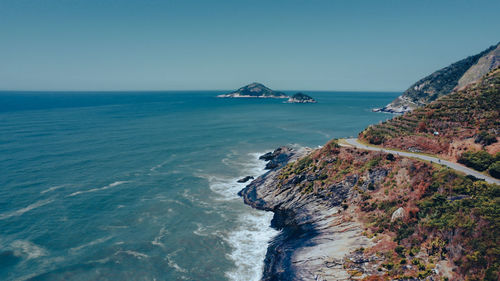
point(266, 157)
point(301, 98)
point(254, 90)
point(245, 179)
point(444, 81)
point(399, 214)
point(414, 149)
point(484, 65)
point(278, 157)
point(373, 177)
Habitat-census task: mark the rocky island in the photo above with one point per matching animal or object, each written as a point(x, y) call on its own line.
point(257, 90)
point(254, 90)
point(300, 98)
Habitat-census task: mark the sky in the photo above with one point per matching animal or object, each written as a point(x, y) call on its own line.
point(203, 45)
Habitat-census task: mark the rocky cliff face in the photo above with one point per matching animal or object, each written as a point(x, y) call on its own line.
point(254, 90)
point(484, 65)
point(444, 81)
point(315, 238)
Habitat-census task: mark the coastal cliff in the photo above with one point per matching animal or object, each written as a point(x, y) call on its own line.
point(444, 81)
point(314, 237)
point(347, 214)
point(350, 214)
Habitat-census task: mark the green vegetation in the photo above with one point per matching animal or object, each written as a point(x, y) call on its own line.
point(375, 136)
point(474, 217)
point(494, 169)
point(480, 160)
point(302, 164)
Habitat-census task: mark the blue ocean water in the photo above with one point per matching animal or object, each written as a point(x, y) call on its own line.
point(142, 185)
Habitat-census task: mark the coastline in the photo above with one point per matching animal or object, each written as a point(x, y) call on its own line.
point(314, 237)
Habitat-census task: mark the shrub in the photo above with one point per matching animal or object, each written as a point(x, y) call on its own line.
point(390, 157)
point(480, 160)
point(373, 162)
point(494, 170)
point(485, 138)
point(375, 137)
point(399, 250)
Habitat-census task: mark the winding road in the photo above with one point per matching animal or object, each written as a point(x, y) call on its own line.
point(355, 143)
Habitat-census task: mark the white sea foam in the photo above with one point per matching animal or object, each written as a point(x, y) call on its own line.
point(172, 263)
point(133, 253)
point(157, 240)
point(159, 166)
point(52, 188)
point(27, 249)
point(250, 239)
point(201, 230)
point(26, 209)
point(228, 188)
point(91, 243)
point(249, 243)
point(116, 183)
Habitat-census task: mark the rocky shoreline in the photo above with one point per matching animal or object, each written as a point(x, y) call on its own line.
point(314, 237)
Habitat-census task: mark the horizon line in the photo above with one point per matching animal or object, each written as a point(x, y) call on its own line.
point(192, 90)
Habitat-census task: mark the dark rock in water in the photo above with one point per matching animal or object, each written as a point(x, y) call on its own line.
point(266, 157)
point(301, 98)
point(245, 179)
point(277, 158)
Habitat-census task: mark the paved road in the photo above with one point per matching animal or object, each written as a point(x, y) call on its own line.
point(455, 166)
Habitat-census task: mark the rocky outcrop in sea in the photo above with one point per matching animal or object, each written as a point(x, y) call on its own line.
point(301, 98)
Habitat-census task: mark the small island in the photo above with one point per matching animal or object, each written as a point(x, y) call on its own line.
point(258, 90)
point(300, 98)
point(254, 90)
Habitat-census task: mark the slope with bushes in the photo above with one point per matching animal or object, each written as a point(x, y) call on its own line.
point(463, 125)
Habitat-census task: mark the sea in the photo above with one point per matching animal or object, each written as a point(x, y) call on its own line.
point(143, 185)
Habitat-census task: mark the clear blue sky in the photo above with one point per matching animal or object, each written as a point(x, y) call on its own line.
point(187, 44)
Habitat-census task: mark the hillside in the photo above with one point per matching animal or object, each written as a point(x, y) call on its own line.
point(444, 81)
point(349, 214)
point(254, 90)
point(466, 120)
